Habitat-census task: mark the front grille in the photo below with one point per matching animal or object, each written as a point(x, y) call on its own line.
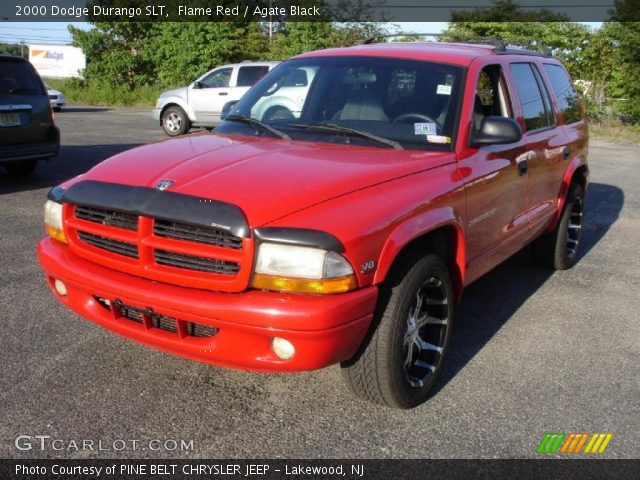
point(168, 251)
point(199, 264)
point(159, 321)
point(114, 246)
point(192, 233)
point(107, 217)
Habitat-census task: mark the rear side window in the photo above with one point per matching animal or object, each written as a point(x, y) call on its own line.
point(568, 99)
point(534, 98)
point(17, 78)
point(247, 76)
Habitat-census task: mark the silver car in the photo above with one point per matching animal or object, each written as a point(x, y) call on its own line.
point(56, 98)
point(200, 103)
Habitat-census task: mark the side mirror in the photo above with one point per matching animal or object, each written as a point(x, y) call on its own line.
point(496, 131)
point(197, 85)
point(226, 108)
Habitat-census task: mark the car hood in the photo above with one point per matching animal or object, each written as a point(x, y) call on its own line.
point(267, 178)
point(51, 91)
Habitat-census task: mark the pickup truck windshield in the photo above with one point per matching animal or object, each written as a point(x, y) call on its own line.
point(360, 100)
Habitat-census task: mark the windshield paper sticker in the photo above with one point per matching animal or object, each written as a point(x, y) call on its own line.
point(424, 128)
point(438, 139)
point(444, 90)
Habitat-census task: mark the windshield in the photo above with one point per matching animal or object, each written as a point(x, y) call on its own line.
point(359, 100)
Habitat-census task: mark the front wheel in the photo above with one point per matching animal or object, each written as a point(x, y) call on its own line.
point(175, 121)
point(558, 250)
point(402, 359)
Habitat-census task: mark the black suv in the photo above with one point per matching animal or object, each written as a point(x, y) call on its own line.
point(27, 131)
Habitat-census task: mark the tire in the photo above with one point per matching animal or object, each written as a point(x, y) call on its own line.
point(277, 113)
point(558, 250)
point(57, 109)
point(400, 361)
point(21, 169)
point(175, 121)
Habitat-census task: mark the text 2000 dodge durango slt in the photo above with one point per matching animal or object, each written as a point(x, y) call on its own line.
point(341, 233)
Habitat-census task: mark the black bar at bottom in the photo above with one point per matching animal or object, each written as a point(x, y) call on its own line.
point(543, 468)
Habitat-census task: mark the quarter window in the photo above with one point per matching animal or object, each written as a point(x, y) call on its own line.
point(568, 99)
point(247, 76)
point(534, 98)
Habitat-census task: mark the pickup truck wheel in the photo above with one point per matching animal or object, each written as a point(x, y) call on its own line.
point(21, 169)
point(403, 356)
point(277, 113)
point(175, 121)
point(558, 250)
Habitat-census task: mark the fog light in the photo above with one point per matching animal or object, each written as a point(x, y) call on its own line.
point(60, 287)
point(284, 349)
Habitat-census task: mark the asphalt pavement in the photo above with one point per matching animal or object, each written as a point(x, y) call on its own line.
point(534, 351)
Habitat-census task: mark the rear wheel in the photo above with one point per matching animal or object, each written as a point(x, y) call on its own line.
point(21, 169)
point(558, 250)
point(277, 113)
point(402, 359)
point(175, 121)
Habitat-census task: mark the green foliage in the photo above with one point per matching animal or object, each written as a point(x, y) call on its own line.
point(506, 11)
point(624, 83)
point(79, 91)
point(182, 51)
point(14, 49)
point(567, 41)
point(607, 58)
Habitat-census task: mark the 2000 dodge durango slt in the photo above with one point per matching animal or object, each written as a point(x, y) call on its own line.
point(344, 233)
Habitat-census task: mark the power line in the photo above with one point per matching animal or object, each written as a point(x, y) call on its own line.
point(39, 29)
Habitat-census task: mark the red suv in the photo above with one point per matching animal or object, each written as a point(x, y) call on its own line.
point(344, 232)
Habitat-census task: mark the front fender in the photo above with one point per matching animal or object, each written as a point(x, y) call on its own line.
point(176, 100)
point(419, 226)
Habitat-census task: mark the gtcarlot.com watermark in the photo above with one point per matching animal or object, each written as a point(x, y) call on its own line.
point(48, 443)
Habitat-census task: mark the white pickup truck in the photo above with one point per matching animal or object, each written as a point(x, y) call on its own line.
point(200, 103)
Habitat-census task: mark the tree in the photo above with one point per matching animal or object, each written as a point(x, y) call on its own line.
point(541, 30)
point(625, 33)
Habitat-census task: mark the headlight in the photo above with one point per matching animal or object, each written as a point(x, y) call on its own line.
point(53, 220)
point(287, 268)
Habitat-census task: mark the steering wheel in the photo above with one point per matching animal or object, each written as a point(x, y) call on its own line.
point(412, 116)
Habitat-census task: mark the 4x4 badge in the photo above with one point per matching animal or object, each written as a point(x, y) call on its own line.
point(164, 184)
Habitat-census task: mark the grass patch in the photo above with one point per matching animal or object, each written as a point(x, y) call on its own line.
point(78, 92)
point(613, 130)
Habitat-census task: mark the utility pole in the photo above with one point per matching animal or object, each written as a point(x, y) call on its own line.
point(22, 48)
point(270, 23)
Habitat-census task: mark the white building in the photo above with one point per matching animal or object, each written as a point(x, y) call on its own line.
point(57, 61)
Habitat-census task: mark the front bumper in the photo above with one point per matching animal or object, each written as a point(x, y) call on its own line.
point(324, 329)
point(155, 113)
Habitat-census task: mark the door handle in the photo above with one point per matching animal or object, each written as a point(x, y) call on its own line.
point(523, 167)
point(566, 152)
point(223, 93)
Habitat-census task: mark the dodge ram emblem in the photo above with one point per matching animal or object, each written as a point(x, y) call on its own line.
point(164, 184)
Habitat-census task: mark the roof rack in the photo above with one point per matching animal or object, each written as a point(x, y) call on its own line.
point(499, 46)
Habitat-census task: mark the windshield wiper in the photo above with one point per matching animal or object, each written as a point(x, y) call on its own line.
point(252, 122)
point(332, 127)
